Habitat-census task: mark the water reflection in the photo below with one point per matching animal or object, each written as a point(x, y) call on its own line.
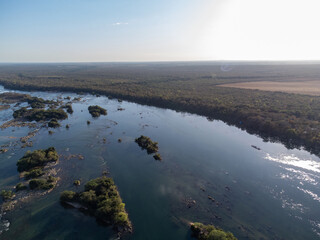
point(258, 194)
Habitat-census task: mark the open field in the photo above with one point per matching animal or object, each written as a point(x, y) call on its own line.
point(302, 87)
point(194, 87)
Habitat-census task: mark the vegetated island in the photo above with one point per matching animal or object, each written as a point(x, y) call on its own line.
point(292, 119)
point(151, 147)
point(31, 166)
point(68, 108)
point(39, 114)
point(101, 199)
point(34, 102)
point(36, 170)
point(35, 111)
point(210, 232)
point(96, 111)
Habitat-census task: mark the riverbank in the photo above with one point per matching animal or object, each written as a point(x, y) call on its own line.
point(288, 118)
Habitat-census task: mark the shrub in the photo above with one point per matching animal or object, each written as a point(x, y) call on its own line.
point(6, 195)
point(76, 182)
point(43, 184)
point(37, 158)
point(157, 156)
point(146, 143)
point(34, 173)
point(53, 123)
point(20, 187)
point(96, 111)
point(102, 199)
point(67, 196)
point(210, 232)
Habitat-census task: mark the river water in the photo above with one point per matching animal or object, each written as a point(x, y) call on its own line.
point(272, 193)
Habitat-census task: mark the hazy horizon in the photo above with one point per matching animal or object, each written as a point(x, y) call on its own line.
point(38, 31)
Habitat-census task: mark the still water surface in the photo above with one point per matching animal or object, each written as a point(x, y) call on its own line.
point(272, 193)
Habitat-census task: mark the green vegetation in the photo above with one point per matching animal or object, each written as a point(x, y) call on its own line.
point(43, 184)
point(39, 114)
point(146, 143)
point(210, 232)
point(37, 158)
point(10, 97)
point(157, 156)
point(21, 187)
point(76, 182)
point(68, 108)
point(68, 196)
point(34, 173)
point(102, 200)
point(54, 123)
point(193, 87)
point(32, 167)
point(34, 102)
point(7, 195)
point(96, 111)
point(20, 112)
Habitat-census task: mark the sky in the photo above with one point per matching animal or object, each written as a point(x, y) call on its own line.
point(158, 30)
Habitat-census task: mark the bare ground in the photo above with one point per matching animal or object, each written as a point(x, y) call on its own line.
point(299, 87)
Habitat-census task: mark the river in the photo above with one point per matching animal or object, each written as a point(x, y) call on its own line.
point(271, 193)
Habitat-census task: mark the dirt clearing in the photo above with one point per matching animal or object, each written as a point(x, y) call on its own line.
point(299, 87)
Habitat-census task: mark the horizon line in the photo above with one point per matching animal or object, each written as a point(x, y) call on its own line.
point(164, 61)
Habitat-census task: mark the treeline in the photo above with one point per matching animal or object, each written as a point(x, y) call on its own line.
point(290, 118)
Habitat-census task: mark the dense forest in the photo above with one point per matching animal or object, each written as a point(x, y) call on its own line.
point(292, 119)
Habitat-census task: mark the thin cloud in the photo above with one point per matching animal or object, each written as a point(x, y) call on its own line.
point(120, 23)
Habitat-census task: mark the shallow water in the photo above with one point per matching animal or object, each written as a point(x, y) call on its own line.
point(268, 194)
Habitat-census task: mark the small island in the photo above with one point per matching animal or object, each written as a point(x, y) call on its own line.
point(151, 147)
point(96, 111)
point(39, 114)
point(7, 195)
point(37, 158)
point(146, 143)
point(68, 108)
point(210, 232)
point(54, 123)
point(34, 102)
point(101, 199)
point(31, 166)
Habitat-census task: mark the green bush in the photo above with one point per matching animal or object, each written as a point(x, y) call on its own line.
point(43, 184)
point(67, 196)
point(102, 199)
point(54, 123)
point(37, 158)
point(20, 187)
point(34, 173)
point(146, 143)
point(76, 182)
point(210, 232)
point(96, 111)
point(6, 195)
point(40, 114)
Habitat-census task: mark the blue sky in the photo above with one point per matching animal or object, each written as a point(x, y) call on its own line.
point(166, 30)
